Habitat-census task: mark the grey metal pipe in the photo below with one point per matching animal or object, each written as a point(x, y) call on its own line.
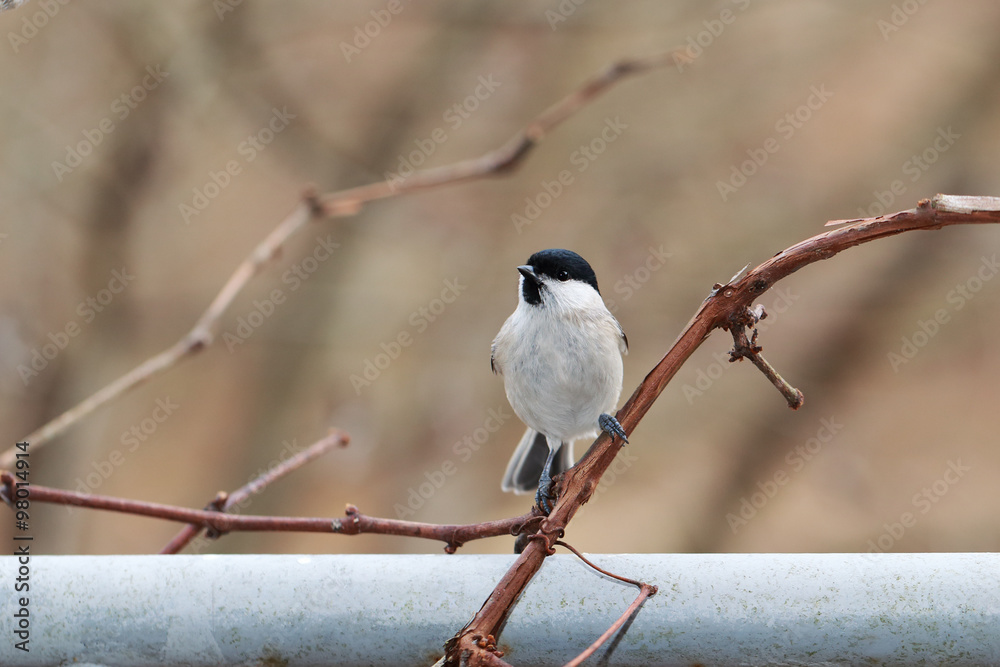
point(739, 609)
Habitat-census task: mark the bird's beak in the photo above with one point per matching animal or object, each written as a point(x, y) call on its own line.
point(529, 273)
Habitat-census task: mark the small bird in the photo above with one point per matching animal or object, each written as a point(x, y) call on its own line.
point(560, 355)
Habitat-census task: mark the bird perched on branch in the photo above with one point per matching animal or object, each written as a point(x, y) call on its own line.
point(560, 355)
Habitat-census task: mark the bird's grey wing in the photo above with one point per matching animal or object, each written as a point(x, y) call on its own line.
point(623, 343)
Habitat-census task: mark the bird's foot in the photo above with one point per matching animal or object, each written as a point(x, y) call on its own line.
point(611, 426)
point(543, 496)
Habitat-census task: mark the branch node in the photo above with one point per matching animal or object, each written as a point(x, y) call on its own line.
point(534, 134)
point(218, 502)
point(350, 524)
point(198, 339)
point(216, 505)
point(759, 286)
point(544, 538)
point(311, 197)
point(522, 531)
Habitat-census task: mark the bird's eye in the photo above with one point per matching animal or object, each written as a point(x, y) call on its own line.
point(563, 276)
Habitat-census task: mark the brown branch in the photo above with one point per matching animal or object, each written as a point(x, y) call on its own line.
point(454, 536)
point(223, 502)
point(348, 202)
point(352, 523)
point(716, 312)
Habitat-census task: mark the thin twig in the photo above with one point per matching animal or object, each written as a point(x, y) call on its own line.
point(348, 202)
point(579, 482)
point(511, 154)
point(201, 335)
point(645, 591)
point(336, 438)
point(223, 502)
point(793, 396)
point(633, 582)
point(352, 523)
point(747, 348)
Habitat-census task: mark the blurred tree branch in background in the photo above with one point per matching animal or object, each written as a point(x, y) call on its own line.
point(345, 203)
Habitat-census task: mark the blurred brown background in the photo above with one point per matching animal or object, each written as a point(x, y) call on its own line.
point(869, 86)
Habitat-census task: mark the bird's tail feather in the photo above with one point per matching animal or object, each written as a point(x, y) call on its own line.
point(526, 464)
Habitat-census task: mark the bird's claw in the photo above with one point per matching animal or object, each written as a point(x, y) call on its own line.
point(543, 494)
point(611, 426)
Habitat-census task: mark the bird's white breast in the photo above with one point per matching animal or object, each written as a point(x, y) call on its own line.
point(562, 367)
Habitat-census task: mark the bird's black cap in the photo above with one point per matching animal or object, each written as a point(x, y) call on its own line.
point(558, 264)
point(555, 261)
